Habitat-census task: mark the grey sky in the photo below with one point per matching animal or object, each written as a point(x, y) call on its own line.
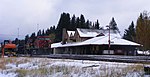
point(26, 14)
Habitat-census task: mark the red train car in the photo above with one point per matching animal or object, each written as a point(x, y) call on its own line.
point(40, 46)
point(42, 42)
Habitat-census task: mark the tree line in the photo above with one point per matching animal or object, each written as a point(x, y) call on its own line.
point(70, 23)
point(140, 32)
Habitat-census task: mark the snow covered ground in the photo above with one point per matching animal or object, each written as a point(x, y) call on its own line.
point(46, 67)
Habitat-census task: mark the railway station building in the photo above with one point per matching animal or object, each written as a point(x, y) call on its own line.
point(94, 42)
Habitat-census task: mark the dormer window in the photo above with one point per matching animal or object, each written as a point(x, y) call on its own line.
point(101, 34)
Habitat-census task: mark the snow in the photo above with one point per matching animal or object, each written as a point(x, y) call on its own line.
point(95, 32)
point(115, 38)
point(71, 32)
point(89, 32)
point(101, 40)
point(8, 75)
point(143, 52)
point(11, 65)
point(54, 45)
point(69, 68)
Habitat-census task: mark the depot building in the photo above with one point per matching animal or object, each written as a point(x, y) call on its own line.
point(94, 42)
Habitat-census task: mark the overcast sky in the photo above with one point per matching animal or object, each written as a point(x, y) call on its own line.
point(30, 15)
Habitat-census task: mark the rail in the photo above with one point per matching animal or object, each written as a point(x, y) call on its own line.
point(111, 58)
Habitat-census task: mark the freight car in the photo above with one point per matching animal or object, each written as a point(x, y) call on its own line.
point(40, 46)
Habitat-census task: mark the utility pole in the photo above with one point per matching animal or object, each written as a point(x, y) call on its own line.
point(37, 27)
point(18, 33)
point(108, 39)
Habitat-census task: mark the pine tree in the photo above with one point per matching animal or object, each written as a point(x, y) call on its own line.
point(143, 30)
point(113, 24)
point(33, 37)
point(47, 32)
point(97, 25)
point(16, 41)
point(67, 22)
point(90, 25)
point(73, 23)
point(53, 29)
point(82, 22)
point(93, 26)
point(39, 33)
point(43, 32)
point(129, 33)
point(78, 23)
point(87, 23)
point(64, 22)
point(26, 39)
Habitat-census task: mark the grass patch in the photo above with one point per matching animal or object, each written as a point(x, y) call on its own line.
point(46, 68)
point(69, 71)
point(22, 72)
point(42, 72)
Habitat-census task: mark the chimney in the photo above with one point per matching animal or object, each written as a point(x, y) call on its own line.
point(64, 36)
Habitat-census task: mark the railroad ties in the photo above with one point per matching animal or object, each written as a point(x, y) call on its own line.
point(110, 58)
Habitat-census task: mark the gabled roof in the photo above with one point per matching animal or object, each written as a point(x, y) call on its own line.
point(71, 33)
point(101, 40)
point(88, 32)
point(95, 32)
point(57, 45)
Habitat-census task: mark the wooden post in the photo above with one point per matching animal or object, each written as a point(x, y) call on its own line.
point(3, 62)
point(2, 51)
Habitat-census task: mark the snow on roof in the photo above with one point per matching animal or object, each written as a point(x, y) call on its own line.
point(95, 32)
point(89, 32)
point(101, 40)
point(71, 32)
point(119, 41)
point(113, 35)
point(55, 45)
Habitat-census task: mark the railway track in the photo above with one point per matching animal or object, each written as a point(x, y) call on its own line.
point(110, 58)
